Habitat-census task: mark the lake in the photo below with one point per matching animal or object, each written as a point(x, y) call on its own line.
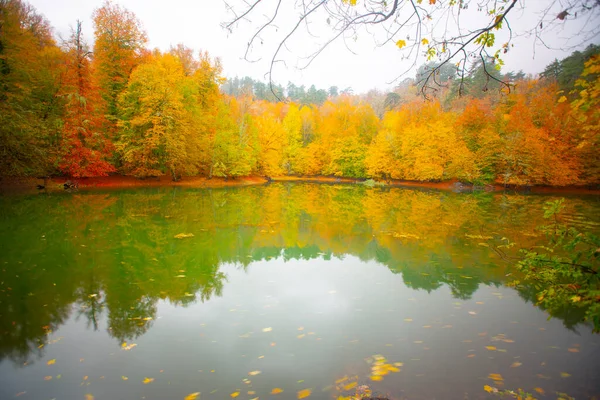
point(284, 290)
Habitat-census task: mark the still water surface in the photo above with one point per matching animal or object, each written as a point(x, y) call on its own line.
point(285, 286)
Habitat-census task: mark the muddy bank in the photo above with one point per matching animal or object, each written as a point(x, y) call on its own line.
point(118, 181)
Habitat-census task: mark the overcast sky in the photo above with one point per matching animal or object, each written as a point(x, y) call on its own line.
point(197, 24)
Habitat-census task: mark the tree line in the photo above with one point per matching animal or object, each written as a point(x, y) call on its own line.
point(117, 107)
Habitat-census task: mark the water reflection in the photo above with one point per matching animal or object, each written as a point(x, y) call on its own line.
point(114, 255)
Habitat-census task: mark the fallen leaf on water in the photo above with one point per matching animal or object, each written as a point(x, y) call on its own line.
point(564, 375)
point(273, 344)
point(301, 336)
point(179, 276)
point(304, 393)
point(351, 385)
point(259, 357)
point(407, 319)
point(489, 389)
point(252, 373)
point(426, 326)
point(124, 377)
point(539, 390)
point(515, 364)
point(89, 397)
point(472, 313)
point(573, 350)
point(471, 356)
point(20, 394)
point(495, 377)
point(183, 235)
point(53, 361)
point(235, 394)
point(251, 392)
point(58, 376)
point(269, 329)
point(276, 391)
point(192, 396)
point(542, 376)
point(47, 378)
point(376, 377)
point(492, 348)
point(301, 328)
point(147, 380)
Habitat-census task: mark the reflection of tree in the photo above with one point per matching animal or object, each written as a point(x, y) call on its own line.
point(114, 256)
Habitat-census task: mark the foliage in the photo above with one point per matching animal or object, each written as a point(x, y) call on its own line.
point(564, 271)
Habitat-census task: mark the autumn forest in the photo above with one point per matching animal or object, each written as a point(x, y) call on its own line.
point(68, 108)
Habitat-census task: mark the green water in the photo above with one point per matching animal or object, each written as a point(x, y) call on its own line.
point(301, 282)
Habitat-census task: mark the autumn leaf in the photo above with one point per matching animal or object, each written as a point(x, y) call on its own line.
point(424, 41)
point(562, 99)
point(515, 364)
point(276, 391)
point(234, 394)
point(147, 380)
point(376, 377)
point(192, 396)
point(53, 361)
point(564, 375)
point(269, 329)
point(350, 385)
point(573, 350)
point(302, 394)
point(252, 373)
point(491, 348)
point(432, 2)
point(89, 397)
point(401, 43)
point(183, 235)
point(124, 377)
point(495, 377)
point(47, 378)
point(539, 390)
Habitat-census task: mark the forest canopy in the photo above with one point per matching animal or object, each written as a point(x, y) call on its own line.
point(115, 106)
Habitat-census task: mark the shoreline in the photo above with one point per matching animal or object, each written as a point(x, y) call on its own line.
point(55, 184)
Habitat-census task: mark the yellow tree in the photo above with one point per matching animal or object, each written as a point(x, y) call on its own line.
point(271, 139)
point(30, 70)
point(586, 109)
point(158, 127)
point(119, 42)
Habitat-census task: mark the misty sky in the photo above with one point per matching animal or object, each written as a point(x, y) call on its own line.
point(197, 24)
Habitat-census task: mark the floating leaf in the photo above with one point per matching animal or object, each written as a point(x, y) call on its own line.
point(252, 373)
point(539, 390)
point(301, 336)
point(89, 397)
point(564, 375)
point(192, 396)
point(573, 350)
point(515, 364)
point(235, 394)
point(472, 313)
point(304, 393)
point(276, 391)
point(147, 380)
point(269, 329)
point(183, 235)
point(53, 361)
point(491, 348)
point(407, 319)
point(351, 385)
point(376, 377)
point(47, 378)
point(495, 377)
point(124, 377)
